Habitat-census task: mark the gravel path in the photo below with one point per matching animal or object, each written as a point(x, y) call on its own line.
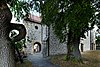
point(38, 61)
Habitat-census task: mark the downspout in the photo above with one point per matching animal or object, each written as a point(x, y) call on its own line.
point(48, 40)
point(91, 45)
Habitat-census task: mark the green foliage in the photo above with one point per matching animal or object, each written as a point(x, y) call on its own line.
point(98, 40)
point(20, 44)
point(97, 5)
point(68, 15)
point(20, 8)
point(62, 15)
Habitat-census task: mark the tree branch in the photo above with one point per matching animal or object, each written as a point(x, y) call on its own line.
point(21, 29)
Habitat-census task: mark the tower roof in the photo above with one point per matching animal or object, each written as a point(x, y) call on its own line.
point(32, 18)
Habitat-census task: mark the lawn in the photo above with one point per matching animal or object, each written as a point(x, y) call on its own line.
point(25, 64)
point(90, 59)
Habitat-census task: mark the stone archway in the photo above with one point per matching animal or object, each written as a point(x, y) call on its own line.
point(37, 47)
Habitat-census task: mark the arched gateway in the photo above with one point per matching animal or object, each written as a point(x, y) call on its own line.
point(36, 47)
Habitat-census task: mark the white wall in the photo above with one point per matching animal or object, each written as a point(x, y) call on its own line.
point(86, 41)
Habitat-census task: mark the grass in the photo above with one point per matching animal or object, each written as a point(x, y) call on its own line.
point(90, 59)
point(25, 64)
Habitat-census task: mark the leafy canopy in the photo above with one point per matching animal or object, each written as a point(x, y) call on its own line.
point(65, 15)
point(98, 40)
point(19, 8)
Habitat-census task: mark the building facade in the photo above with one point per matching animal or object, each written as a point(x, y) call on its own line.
point(49, 44)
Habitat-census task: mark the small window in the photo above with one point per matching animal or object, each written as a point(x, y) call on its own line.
point(36, 27)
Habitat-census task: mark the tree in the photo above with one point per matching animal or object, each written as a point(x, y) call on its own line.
point(98, 40)
point(98, 13)
point(18, 47)
point(6, 46)
point(69, 18)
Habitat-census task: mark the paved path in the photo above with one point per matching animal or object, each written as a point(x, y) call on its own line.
point(38, 61)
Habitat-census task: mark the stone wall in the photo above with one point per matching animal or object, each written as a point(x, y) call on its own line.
point(55, 46)
point(33, 35)
point(41, 35)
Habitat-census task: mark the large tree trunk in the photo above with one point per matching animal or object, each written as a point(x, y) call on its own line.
point(6, 48)
point(6, 53)
point(73, 47)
